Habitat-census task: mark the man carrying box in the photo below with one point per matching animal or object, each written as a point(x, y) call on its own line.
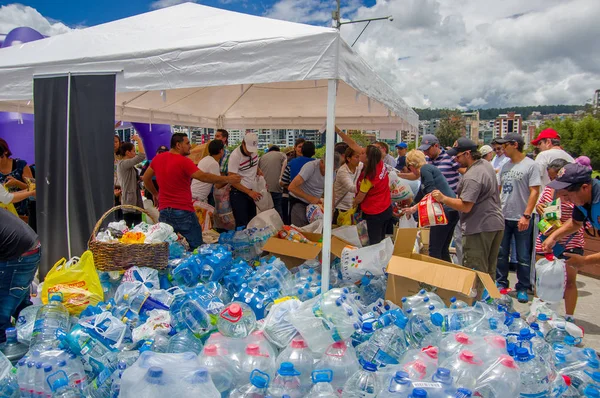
point(478, 202)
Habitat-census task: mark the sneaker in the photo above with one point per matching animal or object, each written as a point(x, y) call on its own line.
point(570, 318)
point(522, 296)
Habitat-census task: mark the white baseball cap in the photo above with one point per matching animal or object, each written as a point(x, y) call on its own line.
point(251, 140)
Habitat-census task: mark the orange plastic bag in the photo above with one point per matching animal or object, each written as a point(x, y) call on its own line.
point(431, 212)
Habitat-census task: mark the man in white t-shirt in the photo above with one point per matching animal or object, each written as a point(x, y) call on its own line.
point(209, 164)
point(243, 161)
point(548, 142)
point(500, 159)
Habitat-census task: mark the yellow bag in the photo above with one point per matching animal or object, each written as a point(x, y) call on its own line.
point(345, 217)
point(77, 281)
point(10, 207)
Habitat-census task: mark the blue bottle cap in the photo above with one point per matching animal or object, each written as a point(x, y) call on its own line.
point(367, 327)
point(524, 333)
point(155, 372)
point(463, 393)
point(369, 366)
point(403, 299)
point(61, 363)
point(200, 376)
point(522, 354)
point(534, 326)
point(431, 307)
point(453, 299)
point(60, 383)
point(437, 319)
point(287, 369)
point(322, 376)
point(401, 375)
point(47, 368)
point(422, 291)
point(426, 300)
point(419, 393)
point(442, 375)
point(570, 340)
point(591, 391)
point(259, 379)
point(542, 317)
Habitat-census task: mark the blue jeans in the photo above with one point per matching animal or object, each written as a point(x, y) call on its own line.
point(183, 222)
point(277, 198)
point(523, 240)
point(15, 278)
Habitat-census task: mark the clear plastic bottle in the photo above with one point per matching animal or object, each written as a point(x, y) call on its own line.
point(557, 335)
point(286, 382)
point(420, 331)
point(505, 300)
point(500, 379)
point(420, 364)
point(457, 304)
point(399, 386)
point(258, 337)
point(50, 318)
point(364, 383)
point(154, 384)
point(61, 389)
point(341, 360)
point(321, 385)
point(387, 345)
point(183, 342)
point(256, 360)
point(452, 343)
point(257, 388)
point(517, 323)
point(11, 348)
point(236, 320)
point(465, 368)
point(222, 371)
point(418, 393)
point(453, 320)
point(534, 378)
point(199, 384)
point(115, 388)
point(302, 357)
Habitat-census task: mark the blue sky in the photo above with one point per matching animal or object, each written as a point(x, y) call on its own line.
point(76, 13)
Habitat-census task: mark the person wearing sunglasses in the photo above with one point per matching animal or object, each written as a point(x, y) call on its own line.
point(520, 182)
point(478, 202)
point(574, 182)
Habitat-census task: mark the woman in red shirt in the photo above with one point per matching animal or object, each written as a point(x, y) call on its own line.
point(572, 243)
point(374, 194)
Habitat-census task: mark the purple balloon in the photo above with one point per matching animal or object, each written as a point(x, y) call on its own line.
point(160, 135)
point(20, 35)
point(18, 132)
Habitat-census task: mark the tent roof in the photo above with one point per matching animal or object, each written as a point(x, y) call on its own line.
point(197, 65)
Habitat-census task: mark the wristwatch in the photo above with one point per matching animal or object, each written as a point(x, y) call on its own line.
point(527, 216)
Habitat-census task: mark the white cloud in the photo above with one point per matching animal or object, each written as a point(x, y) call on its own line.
point(167, 3)
point(474, 53)
point(16, 15)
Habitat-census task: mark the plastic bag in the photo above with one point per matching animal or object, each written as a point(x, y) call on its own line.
point(374, 259)
point(315, 227)
point(205, 213)
point(314, 213)
point(431, 212)
point(269, 218)
point(77, 281)
point(550, 278)
point(147, 276)
point(10, 207)
point(223, 217)
point(266, 201)
point(363, 233)
point(346, 217)
point(399, 188)
point(158, 322)
point(349, 233)
point(277, 327)
point(25, 323)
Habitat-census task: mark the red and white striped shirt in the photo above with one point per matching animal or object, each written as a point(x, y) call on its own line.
point(566, 210)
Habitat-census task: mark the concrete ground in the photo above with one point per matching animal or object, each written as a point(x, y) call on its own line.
point(587, 313)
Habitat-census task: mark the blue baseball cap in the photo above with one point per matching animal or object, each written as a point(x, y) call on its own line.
point(402, 145)
point(572, 173)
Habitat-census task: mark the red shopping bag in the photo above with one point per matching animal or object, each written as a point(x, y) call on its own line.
point(431, 212)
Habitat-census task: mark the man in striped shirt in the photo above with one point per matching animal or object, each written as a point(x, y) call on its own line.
point(450, 169)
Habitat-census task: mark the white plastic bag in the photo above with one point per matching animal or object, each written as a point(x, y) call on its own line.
point(266, 201)
point(349, 233)
point(269, 218)
point(399, 188)
point(374, 259)
point(314, 227)
point(158, 322)
point(314, 213)
point(550, 278)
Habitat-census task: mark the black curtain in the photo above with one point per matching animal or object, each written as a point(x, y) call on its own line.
point(89, 161)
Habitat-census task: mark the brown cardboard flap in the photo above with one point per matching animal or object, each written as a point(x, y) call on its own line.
point(489, 284)
point(405, 241)
point(442, 276)
point(292, 249)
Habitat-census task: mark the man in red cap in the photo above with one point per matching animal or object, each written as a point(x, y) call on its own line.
point(548, 142)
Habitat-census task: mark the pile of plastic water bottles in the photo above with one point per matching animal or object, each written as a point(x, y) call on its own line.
point(213, 325)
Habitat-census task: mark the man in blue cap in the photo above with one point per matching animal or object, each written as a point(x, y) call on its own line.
point(401, 148)
point(575, 183)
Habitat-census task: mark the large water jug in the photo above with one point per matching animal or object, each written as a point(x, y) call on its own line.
point(259, 382)
point(223, 371)
point(321, 385)
point(11, 348)
point(399, 386)
point(255, 359)
point(341, 359)
point(465, 368)
point(236, 320)
point(534, 378)
point(183, 342)
point(301, 356)
point(286, 382)
point(501, 379)
point(50, 318)
point(364, 383)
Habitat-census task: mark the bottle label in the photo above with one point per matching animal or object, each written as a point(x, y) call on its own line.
point(384, 358)
point(543, 394)
point(423, 384)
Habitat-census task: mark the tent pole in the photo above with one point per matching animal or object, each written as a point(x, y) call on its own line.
point(329, 159)
point(67, 185)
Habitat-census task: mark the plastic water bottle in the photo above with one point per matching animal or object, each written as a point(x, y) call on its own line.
point(155, 384)
point(534, 378)
point(50, 318)
point(236, 320)
point(222, 371)
point(500, 379)
point(286, 382)
point(183, 342)
point(255, 359)
point(571, 391)
point(505, 300)
point(199, 384)
point(321, 385)
point(387, 344)
point(259, 382)
point(542, 321)
point(420, 331)
point(302, 357)
point(457, 304)
point(517, 323)
point(465, 368)
point(442, 385)
point(558, 334)
point(419, 393)
point(115, 388)
point(591, 391)
point(341, 360)
point(30, 379)
point(399, 386)
point(61, 389)
point(453, 320)
point(11, 348)
point(452, 343)
point(420, 364)
point(364, 383)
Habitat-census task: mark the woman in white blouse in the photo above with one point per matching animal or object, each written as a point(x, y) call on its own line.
point(345, 181)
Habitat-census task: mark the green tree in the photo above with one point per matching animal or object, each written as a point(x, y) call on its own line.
point(578, 137)
point(451, 128)
point(360, 139)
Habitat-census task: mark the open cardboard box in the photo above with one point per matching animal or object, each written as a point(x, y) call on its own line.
point(294, 253)
point(407, 270)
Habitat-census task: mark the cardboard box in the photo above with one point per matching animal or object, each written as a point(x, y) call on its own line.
point(409, 272)
point(295, 253)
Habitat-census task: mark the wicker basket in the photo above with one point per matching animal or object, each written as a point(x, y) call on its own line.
point(120, 256)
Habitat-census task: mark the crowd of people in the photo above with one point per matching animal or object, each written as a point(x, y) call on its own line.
point(490, 195)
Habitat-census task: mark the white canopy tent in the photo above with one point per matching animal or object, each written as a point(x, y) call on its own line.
point(201, 66)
